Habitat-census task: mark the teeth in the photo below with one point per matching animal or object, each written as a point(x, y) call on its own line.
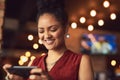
point(49, 41)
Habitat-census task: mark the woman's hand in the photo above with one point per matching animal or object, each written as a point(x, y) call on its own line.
point(11, 76)
point(38, 74)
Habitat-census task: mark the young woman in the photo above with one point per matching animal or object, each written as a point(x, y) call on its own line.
point(59, 63)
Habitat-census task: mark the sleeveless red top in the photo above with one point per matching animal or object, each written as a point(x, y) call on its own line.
point(66, 68)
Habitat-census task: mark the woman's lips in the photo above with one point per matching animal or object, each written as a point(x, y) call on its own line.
point(49, 41)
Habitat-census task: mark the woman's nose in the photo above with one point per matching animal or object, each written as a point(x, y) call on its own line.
point(47, 35)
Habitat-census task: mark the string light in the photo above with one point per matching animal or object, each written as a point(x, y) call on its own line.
point(106, 4)
point(93, 13)
point(20, 62)
point(27, 54)
point(82, 19)
point(112, 16)
point(100, 22)
point(23, 58)
point(90, 27)
point(74, 25)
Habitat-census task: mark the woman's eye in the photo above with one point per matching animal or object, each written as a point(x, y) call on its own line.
point(40, 31)
point(53, 30)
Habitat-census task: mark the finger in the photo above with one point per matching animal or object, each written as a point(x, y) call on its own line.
point(10, 76)
point(35, 77)
point(6, 66)
point(15, 77)
point(36, 70)
point(44, 77)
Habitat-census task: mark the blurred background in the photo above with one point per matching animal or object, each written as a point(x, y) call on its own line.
point(88, 20)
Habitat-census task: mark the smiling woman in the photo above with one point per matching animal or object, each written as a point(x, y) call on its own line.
point(52, 27)
point(50, 33)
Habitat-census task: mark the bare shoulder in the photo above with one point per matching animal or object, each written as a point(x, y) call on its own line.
point(85, 57)
point(85, 68)
point(85, 61)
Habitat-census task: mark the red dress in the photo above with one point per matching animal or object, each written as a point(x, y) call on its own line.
point(66, 68)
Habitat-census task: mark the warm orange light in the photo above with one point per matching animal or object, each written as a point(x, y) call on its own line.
point(90, 28)
point(100, 22)
point(106, 4)
point(112, 16)
point(82, 20)
point(23, 58)
point(20, 62)
point(74, 25)
point(27, 53)
point(93, 13)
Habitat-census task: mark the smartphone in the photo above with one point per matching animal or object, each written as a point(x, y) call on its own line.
point(23, 71)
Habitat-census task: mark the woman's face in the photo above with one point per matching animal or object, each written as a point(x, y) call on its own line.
point(50, 32)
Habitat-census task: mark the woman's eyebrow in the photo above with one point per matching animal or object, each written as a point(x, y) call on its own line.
point(48, 26)
point(40, 28)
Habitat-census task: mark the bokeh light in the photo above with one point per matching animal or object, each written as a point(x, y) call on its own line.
point(74, 25)
point(106, 4)
point(90, 28)
point(30, 37)
point(82, 20)
point(100, 22)
point(112, 16)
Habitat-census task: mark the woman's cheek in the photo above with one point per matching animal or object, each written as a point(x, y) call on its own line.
point(59, 34)
point(40, 36)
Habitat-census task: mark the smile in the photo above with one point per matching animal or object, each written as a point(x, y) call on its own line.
point(49, 41)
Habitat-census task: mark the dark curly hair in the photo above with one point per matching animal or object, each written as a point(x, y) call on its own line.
point(54, 7)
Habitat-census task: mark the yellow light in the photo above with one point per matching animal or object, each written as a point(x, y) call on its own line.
point(93, 13)
point(35, 46)
point(113, 16)
point(32, 58)
point(74, 25)
point(82, 20)
point(23, 58)
point(20, 62)
point(100, 22)
point(30, 37)
point(90, 27)
point(27, 53)
point(113, 62)
point(106, 4)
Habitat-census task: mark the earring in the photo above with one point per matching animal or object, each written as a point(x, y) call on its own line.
point(67, 35)
point(40, 41)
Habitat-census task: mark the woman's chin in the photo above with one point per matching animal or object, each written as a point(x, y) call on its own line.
point(49, 47)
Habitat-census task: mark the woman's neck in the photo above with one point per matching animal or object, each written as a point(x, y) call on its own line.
point(56, 52)
point(54, 56)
